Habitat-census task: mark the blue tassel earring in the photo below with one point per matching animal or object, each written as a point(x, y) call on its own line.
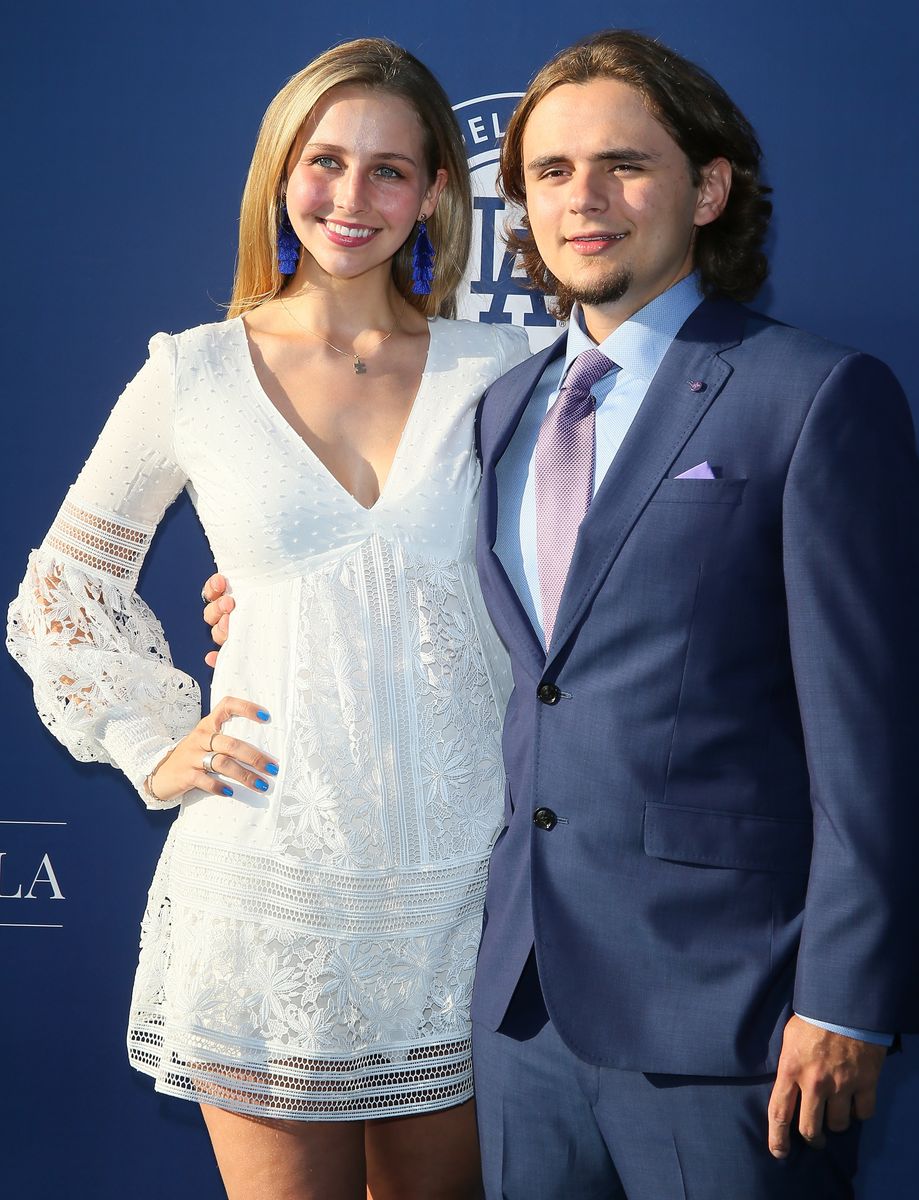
point(422, 261)
point(288, 244)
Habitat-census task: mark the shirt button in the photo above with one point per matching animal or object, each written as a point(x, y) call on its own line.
point(548, 693)
point(545, 818)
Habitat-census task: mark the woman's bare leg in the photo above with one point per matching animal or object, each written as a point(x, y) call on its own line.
point(434, 1156)
point(287, 1160)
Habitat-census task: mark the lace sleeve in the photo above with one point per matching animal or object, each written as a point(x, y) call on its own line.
point(103, 677)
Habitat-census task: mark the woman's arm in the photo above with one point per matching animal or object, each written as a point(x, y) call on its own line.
point(103, 676)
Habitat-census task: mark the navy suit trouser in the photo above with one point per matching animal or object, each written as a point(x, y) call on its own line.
point(552, 1126)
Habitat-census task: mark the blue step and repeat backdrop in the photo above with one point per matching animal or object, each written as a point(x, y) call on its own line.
point(129, 128)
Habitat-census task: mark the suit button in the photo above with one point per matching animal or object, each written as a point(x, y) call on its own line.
point(548, 693)
point(545, 818)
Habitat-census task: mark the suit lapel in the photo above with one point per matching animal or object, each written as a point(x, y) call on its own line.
point(503, 409)
point(507, 401)
point(669, 413)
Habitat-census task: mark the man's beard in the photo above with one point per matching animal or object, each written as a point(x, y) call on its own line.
point(607, 290)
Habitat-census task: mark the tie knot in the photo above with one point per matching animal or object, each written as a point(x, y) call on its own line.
point(589, 366)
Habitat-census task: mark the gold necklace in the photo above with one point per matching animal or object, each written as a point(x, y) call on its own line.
point(360, 367)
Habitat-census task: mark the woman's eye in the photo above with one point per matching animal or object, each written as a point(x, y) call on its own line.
point(324, 160)
point(389, 173)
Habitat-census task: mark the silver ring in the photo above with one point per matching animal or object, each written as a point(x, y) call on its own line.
point(210, 744)
point(207, 763)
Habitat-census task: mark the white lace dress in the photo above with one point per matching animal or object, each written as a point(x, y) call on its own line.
point(308, 952)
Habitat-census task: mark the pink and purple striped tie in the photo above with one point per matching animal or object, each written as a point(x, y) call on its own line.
point(565, 454)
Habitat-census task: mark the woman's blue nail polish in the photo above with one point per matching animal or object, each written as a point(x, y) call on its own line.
point(262, 715)
point(261, 785)
point(272, 769)
point(228, 791)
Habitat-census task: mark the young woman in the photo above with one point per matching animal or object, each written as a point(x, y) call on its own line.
point(308, 948)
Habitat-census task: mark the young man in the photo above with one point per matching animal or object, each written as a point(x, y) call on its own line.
point(699, 542)
point(701, 549)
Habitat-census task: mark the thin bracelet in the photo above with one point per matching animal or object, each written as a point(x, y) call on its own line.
point(148, 782)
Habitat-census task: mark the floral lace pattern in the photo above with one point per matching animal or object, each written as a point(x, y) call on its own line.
point(309, 998)
point(399, 761)
point(96, 653)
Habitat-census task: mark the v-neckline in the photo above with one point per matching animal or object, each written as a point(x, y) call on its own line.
point(304, 446)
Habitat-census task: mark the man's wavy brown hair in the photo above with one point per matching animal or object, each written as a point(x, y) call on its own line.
point(703, 121)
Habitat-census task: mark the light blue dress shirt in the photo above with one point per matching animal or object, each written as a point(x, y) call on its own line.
point(637, 349)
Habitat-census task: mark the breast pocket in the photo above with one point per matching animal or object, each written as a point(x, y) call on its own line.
point(700, 491)
point(688, 520)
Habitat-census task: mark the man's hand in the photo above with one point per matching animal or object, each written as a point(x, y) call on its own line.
point(217, 611)
point(833, 1076)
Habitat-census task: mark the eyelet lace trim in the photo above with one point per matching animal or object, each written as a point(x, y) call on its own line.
point(100, 541)
point(292, 990)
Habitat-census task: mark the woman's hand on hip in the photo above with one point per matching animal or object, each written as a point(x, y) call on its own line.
point(212, 761)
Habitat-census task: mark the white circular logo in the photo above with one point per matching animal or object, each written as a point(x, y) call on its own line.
point(494, 289)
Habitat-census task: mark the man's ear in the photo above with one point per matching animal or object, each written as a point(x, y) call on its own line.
point(714, 189)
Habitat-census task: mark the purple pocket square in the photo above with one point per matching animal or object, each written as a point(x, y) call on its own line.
point(702, 471)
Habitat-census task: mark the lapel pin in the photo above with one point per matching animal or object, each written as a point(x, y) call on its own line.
point(697, 385)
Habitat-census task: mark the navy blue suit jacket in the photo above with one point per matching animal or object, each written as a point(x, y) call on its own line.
point(733, 755)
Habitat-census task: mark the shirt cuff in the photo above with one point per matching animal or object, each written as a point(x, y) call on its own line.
point(863, 1035)
point(136, 746)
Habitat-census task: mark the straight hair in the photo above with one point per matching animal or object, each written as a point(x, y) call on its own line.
point(383, 67)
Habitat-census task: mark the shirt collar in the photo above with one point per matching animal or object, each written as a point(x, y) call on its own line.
point(639, 344)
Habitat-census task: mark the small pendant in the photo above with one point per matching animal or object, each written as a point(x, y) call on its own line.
point(359, 368)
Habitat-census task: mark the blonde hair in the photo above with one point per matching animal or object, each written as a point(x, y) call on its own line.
point(380, 65)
